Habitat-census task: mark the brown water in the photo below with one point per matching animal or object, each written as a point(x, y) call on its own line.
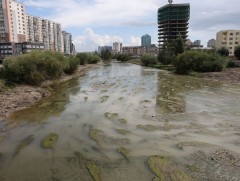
point(157, 113)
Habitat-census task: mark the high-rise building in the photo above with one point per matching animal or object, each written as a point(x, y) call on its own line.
point(146, 41)
point(197, 43)
point(117, 47)
point(228, 39)
point(173, 22)
point(211, 43)
point(67, 41)
point(12, 21)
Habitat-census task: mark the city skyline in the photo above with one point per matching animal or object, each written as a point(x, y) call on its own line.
point(101, 22)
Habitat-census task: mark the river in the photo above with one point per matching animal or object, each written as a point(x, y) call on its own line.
point(125, 122)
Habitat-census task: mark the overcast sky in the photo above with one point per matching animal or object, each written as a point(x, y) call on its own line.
point(102, 22)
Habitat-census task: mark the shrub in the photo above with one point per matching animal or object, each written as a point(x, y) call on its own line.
point(93, 59)
point(83, 58)
point(73, 65)
point(148, 59)
point(237, 52)
point(123, 57)
point(223, 52)
point(35, 67)
point(199, 62)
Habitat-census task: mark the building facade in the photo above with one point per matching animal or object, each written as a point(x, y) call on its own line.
point(173, 22)
point(12, 21)
point(146, 41)
point(17, 27)
point(197, 42)
point(134, 50)
point(117, 48)
point(211, 43)
point(67, 41)
point(104, 48)
point(229, 39)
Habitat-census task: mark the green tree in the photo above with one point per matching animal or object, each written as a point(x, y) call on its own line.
point(223, 52)
point(147, 59)
point(237, 52)
point(83, 58)
point(166, 55)
point(106, 54)
point(179, 46)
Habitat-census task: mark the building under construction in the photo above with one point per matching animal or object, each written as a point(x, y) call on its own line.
point(173, 22)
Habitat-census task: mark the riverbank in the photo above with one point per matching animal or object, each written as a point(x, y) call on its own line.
point(228, 76)
point(24, 96)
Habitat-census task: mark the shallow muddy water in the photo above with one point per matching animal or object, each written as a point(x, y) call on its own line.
point(109, 124)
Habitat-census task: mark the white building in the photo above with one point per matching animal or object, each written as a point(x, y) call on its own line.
point(12, 21)
point(117, 47)
point(67, 41)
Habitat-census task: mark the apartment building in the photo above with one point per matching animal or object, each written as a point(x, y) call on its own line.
point(134, 50)
point(229, 39)
point(17, 27)
point(67, 41)
point(117, 48)
point(12, 21)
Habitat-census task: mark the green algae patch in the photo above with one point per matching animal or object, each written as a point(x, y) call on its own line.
point(49, 141)
point(124, 152)
point(103, 91)
point(104, 99)
point(150, 127)
point(24, 143)
point(122, 131)
point(122, 121)
point(145, 101)
point(94, 170)
point(192, 143)
point(121, 98)
point(95, 134)
point(156, 179)
point(85, 99)
point(165, 169)
point(111, 116)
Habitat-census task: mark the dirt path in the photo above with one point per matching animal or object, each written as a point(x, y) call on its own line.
point(24, 96)
point(229, 76)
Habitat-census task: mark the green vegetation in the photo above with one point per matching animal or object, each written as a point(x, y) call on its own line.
point(37, 66)
point(223, 52)
point(199, 62)
point(165, 169)
point(86, 58)
point(148, 60)
point(237, 52)
point(106, 55)
point(122, 57)
point(49, 141)
point(94, 170)
point(83, 58)
point(124, 152)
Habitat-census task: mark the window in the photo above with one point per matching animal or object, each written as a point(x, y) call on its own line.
point(230, 48)
point(231, 34)
point(230, 39)
point(237, 33)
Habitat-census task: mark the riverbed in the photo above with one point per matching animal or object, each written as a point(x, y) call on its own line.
point(125, 122)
